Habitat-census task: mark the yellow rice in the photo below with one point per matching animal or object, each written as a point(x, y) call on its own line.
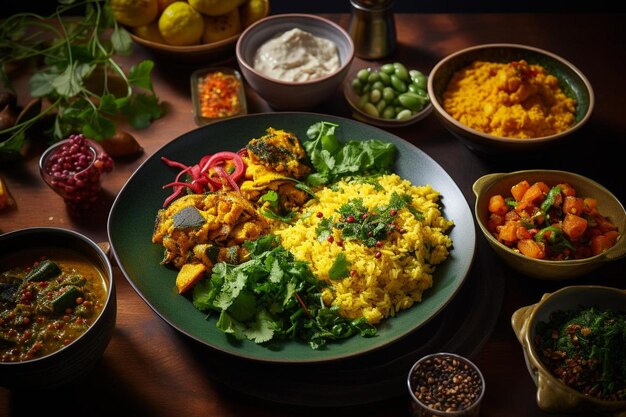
point(380, 287)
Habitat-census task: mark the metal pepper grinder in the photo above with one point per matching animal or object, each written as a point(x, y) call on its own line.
point(372, 28)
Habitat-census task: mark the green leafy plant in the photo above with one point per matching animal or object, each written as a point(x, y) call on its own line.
point(85, 89)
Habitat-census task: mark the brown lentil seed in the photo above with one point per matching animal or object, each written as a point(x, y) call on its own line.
point(445, 383)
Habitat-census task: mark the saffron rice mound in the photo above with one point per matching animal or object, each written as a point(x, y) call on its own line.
point(378, 285)
point(514, 100)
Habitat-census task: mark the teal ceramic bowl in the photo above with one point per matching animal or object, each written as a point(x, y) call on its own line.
point(571, 79)
point(500, 183)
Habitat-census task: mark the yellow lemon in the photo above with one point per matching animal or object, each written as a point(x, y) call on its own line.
point(149, 32)
point(252, 11)
point(217, 28)
point(215, 7)
point(134, 12)
point(180, 24)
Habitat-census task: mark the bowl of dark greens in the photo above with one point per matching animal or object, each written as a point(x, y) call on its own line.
point(574, 343)
point(57, 307)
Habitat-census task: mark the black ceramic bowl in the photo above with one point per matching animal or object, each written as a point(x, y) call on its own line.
point(80, 356)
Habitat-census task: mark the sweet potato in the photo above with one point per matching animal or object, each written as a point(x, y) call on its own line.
point(531, 248)
point(603, 242)
point(188, 276)
point(497, 205)
point(508, 232)
point(574, 226)
point(573, 205)
point(518, 190)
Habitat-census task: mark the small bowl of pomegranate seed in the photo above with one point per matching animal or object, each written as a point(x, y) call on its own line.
point(73, 168)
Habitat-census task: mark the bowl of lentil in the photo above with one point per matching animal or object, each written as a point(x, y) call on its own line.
point(544, 217)
point(446, 385)
point(57, 307)
point(574, 342)
point(499, 98)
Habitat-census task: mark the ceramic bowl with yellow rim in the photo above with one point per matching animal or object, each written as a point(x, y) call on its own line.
point(553, 395)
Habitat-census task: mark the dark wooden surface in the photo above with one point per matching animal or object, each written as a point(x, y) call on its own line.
point(149, 369)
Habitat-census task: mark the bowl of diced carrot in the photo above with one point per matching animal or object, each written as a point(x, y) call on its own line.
point(550, 224)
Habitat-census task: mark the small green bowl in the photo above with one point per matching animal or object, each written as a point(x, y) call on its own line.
point(572, 81)
point(608, 205)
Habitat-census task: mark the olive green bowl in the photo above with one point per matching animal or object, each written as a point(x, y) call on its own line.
point(79, 357)
point(552, 394)
point(608, 205)
point(571, 80)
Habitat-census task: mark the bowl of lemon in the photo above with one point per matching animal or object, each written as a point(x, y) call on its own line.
point(188, 31)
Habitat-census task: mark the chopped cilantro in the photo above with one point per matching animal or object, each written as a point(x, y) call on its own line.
point(273, 296)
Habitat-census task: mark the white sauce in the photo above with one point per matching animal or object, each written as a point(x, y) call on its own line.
point(297, 56)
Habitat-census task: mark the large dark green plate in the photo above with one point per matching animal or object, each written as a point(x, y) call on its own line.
point(132, 216)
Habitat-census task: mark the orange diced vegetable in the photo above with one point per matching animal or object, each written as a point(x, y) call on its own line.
point(518, 190)
point(531, 248)
point(603, 242)
point(567, 190)
point(573, 205)
point(494, 221)
point(574, 226)
point(590, 205)
point(603, 223)
point(508, 232)
point(188, 276)
point(523, 233)
point(497, 205)
point(534, 193)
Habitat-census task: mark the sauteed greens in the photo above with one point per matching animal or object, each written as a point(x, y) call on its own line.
point(586, 349)
point(273, 296)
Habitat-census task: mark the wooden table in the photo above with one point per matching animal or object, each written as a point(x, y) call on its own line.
point(148, 369)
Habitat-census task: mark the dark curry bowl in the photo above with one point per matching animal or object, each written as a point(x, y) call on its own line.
point(571, 80)
point(553, 395)
point(80, 356)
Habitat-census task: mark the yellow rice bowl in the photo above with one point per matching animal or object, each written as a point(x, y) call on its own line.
point(377, 287)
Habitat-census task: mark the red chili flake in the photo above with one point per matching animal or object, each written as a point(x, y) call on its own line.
point(330, 239)
point(218, 94)
point(353, 273)
point(340, 243)
point(350, 219)
point(377, 255)
point(320, 214)
point(379, 244)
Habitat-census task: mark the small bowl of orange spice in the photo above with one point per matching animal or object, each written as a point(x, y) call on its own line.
point(217, 94)
point(550, 224)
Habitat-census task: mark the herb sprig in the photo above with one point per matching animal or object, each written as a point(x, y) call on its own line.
point(74, 52)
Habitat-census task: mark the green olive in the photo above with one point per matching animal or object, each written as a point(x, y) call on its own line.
point(388, 69)
point(363, 74)
point(389, 94)
point(412, 101)
point(389, 112)
point(384, 78)
point(380, 106)
point(398, 84)
point(404, 114)
point(370, 109)
point(362, 100)
point(373, 77)
point(375, 96)
point(357, 85)
point(401, 72)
